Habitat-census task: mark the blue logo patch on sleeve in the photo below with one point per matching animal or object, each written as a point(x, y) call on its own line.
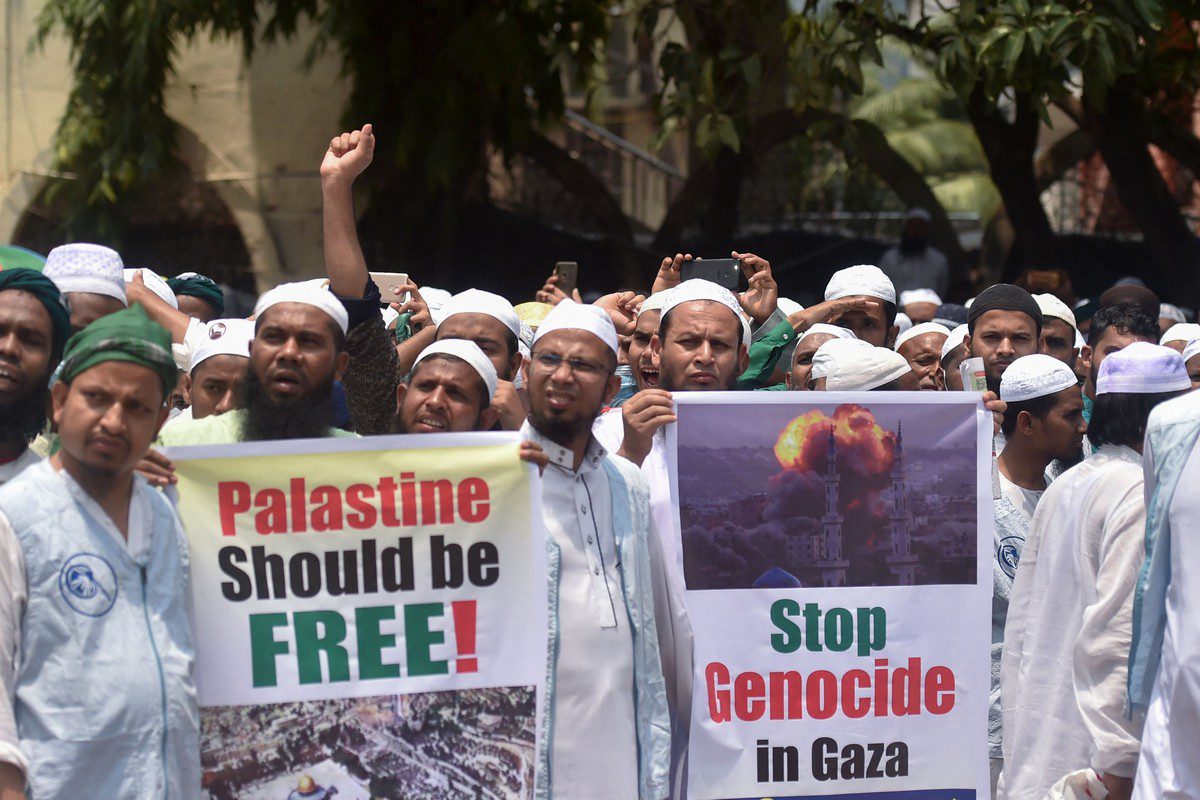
point(1009, 554)
point(88, 584)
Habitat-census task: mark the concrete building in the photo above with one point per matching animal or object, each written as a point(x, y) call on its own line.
point(247, 206)
point(251, 137)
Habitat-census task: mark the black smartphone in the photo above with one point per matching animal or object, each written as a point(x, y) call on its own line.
point(721, 271)
point(567, 273)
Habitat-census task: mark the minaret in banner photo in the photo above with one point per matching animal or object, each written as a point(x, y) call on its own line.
point(902, 561)
point(832, 565)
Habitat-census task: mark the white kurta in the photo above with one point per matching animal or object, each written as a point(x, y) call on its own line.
point(670, 614)
point(13, 468)
point(14, 591)
point(1170, 760)
point(594, 750)
point(1069, 629)
point(1023, 500)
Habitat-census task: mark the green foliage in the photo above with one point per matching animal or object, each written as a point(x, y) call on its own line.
point(115, 131)
point(441, 79)
point(1046, 50)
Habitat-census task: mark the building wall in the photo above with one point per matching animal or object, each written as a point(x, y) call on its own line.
point(253, 131)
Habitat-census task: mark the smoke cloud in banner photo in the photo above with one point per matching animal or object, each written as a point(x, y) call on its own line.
point(865, 452)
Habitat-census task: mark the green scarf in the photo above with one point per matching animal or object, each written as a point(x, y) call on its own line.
point(128, 335)
point(198, 286)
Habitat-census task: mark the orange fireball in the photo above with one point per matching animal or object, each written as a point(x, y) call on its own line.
point(854, 428)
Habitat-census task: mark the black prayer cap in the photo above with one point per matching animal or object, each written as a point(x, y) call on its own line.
point(1004, 297)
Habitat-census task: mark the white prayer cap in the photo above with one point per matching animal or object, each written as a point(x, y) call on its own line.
point(921, 330)
point(389, 315)
point(967, 304)
point(861, 280)
point(1181, 332)
point(700, 289)
point(919, 296)
point(1171, 312)
point(956, 338)
point(569, 315)
point(1079, 340)
point(310, 293)
point(903, 323)
point(1191, 351)
point(526, 335)
point(830, 352)
point(223, 337)
point(435, 300)
point(469, 352)
point(1033, 376)
point(84, 267)
point(1051, 306)
point(154, 283)
point(1142, 368)
point(477, 301)
point(918, 213)
point(787, 306)
point(654, 302)
point(862, 369)
point(836, 331)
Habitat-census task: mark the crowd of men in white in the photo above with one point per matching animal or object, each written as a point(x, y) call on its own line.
point(1096, 647)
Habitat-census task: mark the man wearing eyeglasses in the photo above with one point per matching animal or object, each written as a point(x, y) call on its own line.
point(702, 345)
point(607, 734)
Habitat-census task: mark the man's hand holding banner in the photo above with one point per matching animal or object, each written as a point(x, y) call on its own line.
point(837, 562)
point(369, 614)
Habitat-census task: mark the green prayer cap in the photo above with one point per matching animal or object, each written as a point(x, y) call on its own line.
point(199, 286)
point(128, 335)
point(46, 293)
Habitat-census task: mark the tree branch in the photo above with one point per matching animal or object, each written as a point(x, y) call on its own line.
point(578, 179)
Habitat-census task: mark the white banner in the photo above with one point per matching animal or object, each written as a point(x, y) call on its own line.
point(836, 550)
point(370, 616)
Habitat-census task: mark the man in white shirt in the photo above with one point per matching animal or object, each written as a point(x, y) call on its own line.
point(702, 344)
point(1164, 664)
point(1043, 421)
point(1067, 640)
point(95, 642)
point(608, 725)
point(34, 325)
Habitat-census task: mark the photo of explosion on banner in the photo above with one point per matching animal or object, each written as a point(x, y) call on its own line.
point(780, 495)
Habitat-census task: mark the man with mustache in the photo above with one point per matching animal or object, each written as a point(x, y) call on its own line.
point(34, 325)
point(1004, 324)
point(377, 364)
point(1114, 327)
point(95, 642)
point(921, 346)
point(702, 344)
point(216, 375)
point(450, 390)
point(802, 357)
point(298, 351)
point(609, 736)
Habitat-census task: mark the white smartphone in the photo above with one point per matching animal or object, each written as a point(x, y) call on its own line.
point(387, 283)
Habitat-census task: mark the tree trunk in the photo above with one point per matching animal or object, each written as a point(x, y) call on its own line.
point(866, 143)
point(1061, 156)
point(1123, 141)
point(858, 139)
point(1010, 149)
point(575, 177)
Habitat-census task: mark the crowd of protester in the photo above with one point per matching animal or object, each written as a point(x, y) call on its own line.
point(1095, 646)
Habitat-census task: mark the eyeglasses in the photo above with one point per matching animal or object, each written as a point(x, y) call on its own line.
point(548, 363)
